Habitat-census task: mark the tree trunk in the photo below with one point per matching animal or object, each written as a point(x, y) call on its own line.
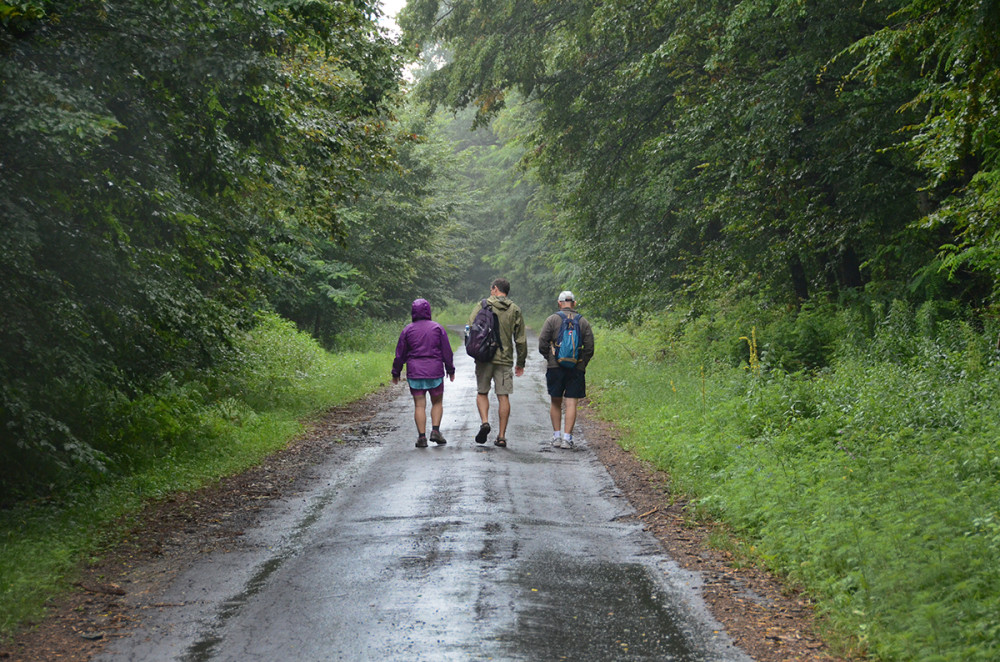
point(800, 284)
point(850, 269)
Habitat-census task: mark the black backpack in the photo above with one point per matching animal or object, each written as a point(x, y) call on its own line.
point(482, 340)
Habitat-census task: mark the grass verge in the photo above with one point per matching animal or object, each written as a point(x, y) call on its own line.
point(872, 481)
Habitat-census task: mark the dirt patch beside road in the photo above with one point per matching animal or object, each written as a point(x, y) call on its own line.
point(767, 620)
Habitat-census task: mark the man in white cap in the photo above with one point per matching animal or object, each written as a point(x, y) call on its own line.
point(567, 343)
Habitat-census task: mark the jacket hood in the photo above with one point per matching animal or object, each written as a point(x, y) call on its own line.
point(499, 303)
point(421, 310)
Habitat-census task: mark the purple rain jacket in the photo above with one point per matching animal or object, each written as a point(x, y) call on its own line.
point(423, 346)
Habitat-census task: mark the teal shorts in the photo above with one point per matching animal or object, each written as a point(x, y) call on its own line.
point(432, 386)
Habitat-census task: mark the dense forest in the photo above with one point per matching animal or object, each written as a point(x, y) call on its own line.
point(805, 191)
point(172, 170)
point(792, 148)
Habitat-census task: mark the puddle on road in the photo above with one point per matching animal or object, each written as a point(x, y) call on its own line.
point(602, 611)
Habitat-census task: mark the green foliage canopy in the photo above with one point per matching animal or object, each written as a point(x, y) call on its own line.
point(694, 145)
point(954, 48)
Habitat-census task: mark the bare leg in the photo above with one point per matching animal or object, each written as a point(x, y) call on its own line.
point(483, 404)
point(420, 412)
point(555, 413)
point(570, 414)
point(437, 409)
point(503, 412)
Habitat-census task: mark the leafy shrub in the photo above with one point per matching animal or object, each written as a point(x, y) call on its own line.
point(138, 432)
point(805, 340)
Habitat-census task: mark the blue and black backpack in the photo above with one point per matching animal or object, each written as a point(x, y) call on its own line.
point(567, 348)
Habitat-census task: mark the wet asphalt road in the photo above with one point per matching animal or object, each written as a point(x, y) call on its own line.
point(459, 552)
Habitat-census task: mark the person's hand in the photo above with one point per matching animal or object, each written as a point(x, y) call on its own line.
point(519, 371)
point(395, 379)
point(451, 376)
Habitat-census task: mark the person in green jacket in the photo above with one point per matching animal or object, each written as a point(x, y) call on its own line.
point(499, 372)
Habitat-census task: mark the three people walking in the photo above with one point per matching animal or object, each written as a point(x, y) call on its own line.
point(425, 350)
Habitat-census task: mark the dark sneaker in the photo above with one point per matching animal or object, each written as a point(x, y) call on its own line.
point(421, 442)
point(438, 438)
point(484, 431)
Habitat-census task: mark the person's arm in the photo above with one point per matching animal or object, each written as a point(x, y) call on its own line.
point(401, 352)
point(545, 338)
point(587, 351)
point(447, 354)
point(520, 341)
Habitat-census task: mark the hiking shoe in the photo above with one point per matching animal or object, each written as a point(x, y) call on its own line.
point(438, 438)
point(421, 442)
point(484, 431)
point(568, 444)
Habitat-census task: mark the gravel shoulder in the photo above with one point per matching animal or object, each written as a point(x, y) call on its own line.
point(769, 620)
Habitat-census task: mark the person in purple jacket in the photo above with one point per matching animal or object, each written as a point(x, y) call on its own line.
point(424, 347)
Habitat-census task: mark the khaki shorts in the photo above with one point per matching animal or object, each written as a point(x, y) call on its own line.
point(500, 375)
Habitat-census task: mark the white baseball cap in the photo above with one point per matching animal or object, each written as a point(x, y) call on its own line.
point(566, 295)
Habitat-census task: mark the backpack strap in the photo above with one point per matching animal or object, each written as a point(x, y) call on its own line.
point(496, 330)
point(557, 341)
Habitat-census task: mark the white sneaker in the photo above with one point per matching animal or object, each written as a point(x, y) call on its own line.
point(567, 443)
point(556, 442)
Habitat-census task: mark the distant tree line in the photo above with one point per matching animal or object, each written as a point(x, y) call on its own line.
point(783, 148)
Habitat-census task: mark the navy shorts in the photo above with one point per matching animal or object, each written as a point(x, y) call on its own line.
point(566, 382)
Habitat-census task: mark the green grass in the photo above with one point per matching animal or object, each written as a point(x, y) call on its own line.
point(872, 481)
point(181, 438)
point(454, 313)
